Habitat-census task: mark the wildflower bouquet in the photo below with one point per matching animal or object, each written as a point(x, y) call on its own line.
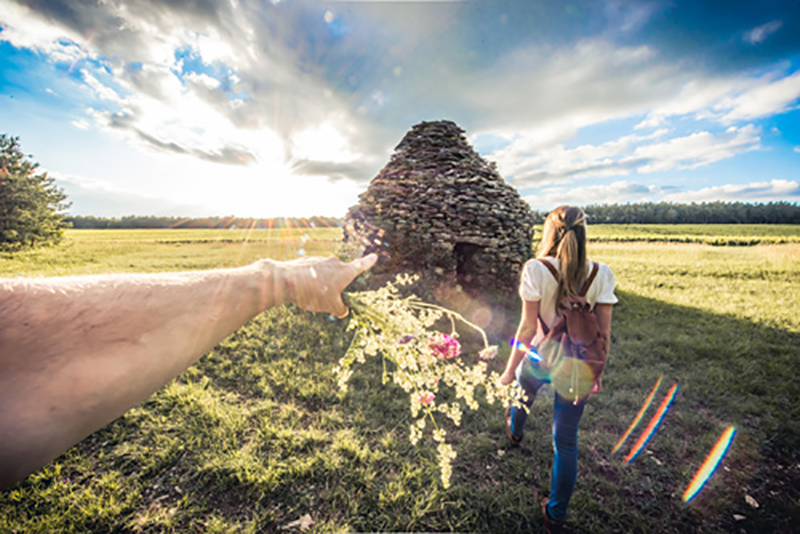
point(425, 362)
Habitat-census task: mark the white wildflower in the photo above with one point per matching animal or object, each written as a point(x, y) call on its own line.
point(421, 361)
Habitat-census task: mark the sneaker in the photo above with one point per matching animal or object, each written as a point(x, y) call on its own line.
point(551, 526)
point(513, 440)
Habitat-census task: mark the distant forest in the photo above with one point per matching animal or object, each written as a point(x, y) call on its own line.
point(136, 221)
point(645, 213)
point(702, 213)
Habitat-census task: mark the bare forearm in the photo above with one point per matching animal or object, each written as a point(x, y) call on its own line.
point(78, 352)
point(522, 346)
point(75, 353)
point(526, 331)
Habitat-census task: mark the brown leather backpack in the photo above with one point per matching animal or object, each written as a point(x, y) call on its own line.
point(573, 351)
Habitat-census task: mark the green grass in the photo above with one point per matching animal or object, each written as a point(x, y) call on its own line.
point(711, 234)
point(256, 434)
point(99, 251)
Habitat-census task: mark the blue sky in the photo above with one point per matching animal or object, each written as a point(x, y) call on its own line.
point(290, 107)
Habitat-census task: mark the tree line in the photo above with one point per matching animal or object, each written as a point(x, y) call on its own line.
point(642, 213)
point(137, 221)
point(780, 212)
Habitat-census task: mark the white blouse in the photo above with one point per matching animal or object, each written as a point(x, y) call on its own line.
point(538, 283)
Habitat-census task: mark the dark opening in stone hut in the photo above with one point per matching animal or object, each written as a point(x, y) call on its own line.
point(439, 210)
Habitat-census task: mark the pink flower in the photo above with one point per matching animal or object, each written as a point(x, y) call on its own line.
point(424, 397)
point(488, 353)
point(444, 346)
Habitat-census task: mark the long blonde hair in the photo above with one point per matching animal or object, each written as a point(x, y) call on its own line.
point(564, 237)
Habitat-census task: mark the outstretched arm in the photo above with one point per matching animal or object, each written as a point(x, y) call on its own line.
point(77, 352)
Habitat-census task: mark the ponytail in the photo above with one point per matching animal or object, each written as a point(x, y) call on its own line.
point(564, 237)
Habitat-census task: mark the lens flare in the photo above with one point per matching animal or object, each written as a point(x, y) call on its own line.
point(654, 423)
point(572, 378)
point(533, 358)
point(638, 417)
point(710, 464)
point(529, 351)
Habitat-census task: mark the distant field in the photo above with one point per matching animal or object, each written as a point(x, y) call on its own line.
point(203, 235)
point(712, 234)
point(256, 435)
point(93, 251)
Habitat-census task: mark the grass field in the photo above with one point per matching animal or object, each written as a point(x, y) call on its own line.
point(256, 435)
point(95, 251)
point(710, 234)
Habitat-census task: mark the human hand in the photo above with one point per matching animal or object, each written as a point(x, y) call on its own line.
point(597, 386)
point(316, 284)
point(507, 378)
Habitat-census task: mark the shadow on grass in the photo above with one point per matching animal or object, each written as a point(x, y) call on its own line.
point(730, 371)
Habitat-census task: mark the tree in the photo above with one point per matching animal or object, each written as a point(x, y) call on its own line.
point(30, 203)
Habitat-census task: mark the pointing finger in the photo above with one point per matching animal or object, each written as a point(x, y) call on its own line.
point(362, 264)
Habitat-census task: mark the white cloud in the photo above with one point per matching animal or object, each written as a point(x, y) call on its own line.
point(696, 150)
point(759, 33)
point(556, 163)
point(595, 83)
point(22, 28)
point(619, 192)
point(773, 190)
point(624, 155)
point(734, 98)
point(558, 90)
point(797, 149)
point(693, 97)
point(278, 93)
point(100, 89)
point(203, 80)
point(767, 98)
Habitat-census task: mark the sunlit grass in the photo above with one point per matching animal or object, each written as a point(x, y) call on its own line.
point(709, 234)
point(256, 435)
point(96, 251)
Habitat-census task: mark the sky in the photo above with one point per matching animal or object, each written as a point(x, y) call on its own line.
point(290, 107)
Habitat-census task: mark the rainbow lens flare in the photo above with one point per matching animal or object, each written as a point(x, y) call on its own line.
point(654, 423)
point(639, 416)
point(533, 358)
point(710, 464)
point(529, 352)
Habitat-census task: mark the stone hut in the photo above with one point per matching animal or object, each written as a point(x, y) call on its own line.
point(440, 210)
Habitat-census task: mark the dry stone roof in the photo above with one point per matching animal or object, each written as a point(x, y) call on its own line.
point(440, 210)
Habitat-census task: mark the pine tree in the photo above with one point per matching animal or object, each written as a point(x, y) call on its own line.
point(30, 203)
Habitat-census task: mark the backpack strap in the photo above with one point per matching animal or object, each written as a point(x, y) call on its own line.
point(589, 280)
point(584, 289)
point(550, 267)
point(554, 272)
point(586, 285)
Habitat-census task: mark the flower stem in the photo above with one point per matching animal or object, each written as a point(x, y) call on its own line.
point(424, 305)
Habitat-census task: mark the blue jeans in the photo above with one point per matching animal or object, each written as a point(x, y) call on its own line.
point(566, 416)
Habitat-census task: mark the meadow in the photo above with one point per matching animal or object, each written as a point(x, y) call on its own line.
point(256, 436)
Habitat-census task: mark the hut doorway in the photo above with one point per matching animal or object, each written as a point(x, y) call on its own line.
point(466, 260)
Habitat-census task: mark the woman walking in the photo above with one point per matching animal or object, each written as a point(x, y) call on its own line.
point(560, 270)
